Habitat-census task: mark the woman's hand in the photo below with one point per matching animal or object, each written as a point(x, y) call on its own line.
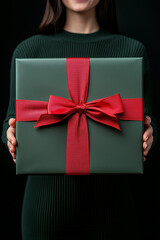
point(11, 138)
point(147, 136)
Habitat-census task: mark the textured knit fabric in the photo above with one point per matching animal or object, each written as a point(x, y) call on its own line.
point(75, 207)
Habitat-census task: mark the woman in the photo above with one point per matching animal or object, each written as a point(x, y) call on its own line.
point(72, 207)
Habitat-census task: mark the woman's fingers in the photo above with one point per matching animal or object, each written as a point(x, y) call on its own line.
point(11, 147)
point(148, 142)
point(11, 131)
point(148, 133)
point(12, 151)
point(12, 122)
point(11, 138)
point(147, 145)
point(13, 155)
point(11, 135)
point(147, 136)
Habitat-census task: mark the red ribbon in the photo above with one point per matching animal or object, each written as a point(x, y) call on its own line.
point(105, 110)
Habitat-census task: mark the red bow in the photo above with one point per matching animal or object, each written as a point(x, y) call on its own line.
point(102, 110)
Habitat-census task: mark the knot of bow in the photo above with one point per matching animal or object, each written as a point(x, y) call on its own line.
point(81, 108)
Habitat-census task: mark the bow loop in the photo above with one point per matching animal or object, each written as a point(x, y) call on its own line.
point(109, 105)
point(104, 110)
point(60, 105)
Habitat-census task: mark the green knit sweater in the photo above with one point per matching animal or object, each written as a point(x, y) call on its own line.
point(98, 207)
point(67, 44)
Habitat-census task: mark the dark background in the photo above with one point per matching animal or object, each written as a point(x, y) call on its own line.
point(138, 19)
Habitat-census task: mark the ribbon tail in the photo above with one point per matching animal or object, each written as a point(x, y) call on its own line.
point(77, 150)
point(47, 119)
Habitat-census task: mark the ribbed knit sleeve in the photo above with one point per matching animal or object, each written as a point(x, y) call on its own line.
point(149, 96)
point(11, 107)
point(21, 51)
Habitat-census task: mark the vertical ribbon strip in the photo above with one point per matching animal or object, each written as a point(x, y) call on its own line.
point(77, 154)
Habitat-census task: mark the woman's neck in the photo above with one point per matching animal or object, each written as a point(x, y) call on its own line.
point(81, 22)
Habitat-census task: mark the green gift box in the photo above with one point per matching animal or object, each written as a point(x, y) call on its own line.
point(79, 116)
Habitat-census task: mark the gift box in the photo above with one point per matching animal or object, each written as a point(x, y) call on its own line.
point(79, 116)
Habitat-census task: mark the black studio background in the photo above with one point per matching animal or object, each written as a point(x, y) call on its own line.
point(139, 20)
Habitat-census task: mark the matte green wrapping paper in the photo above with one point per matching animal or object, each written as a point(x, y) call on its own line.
point(42, 150)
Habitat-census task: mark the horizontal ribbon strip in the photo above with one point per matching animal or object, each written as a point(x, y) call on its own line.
point(105, 110)
point(31, 110)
